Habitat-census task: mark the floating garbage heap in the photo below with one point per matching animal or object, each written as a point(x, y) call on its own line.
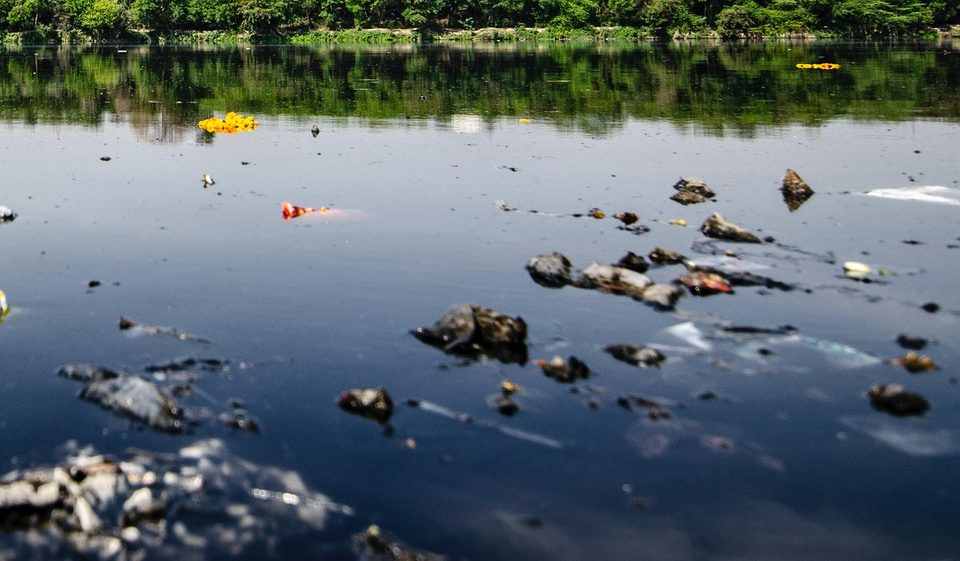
point(232, 123)
point(199, 502)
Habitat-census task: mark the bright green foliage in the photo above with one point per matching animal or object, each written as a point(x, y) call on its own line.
point(664, 18)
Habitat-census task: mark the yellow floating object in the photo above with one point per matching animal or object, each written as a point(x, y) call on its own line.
point(822, 66)
point(230, 124)
point(4, 309)
point(678, 222)
point(524, 121)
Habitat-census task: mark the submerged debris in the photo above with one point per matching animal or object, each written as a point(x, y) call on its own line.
point(655, 410)
point(564, 371)
point(688, 198)
point(373, 403)
point(471, 330)
point(894, 399)
point(716, 226)
point(694, 185)
point(662, 256)
point(7, 215)
point(705, 284)
point(633, 262)
point(795, 190)
point(134, 328)
point(915, 363)
point(551, 270)
point(636, 356)
point(189, 363)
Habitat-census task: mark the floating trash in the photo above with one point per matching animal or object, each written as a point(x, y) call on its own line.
point(856, 270)
point(922, 194)
point(290, 211)
point(821, 66)
point(230, 124)
point(7, 215)
point(4, 308)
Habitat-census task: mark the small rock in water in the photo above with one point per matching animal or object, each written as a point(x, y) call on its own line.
point(662, 296)
point(614, 280)
point(688, 198)
point(7, 215)
point(627, 218)
point(795, 190)
point(694, 185)
point(564, 371)
point(637, 356)
point(915, 363)
point(373, 403)
point(662, 256)
point(716, 226)
point(911, 343)
point(705, 284)
point(551, 270)
point(633, 262)
point(471, 330)
point(894, 399)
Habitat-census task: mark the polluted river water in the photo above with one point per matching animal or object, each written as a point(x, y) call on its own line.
point(194, 314)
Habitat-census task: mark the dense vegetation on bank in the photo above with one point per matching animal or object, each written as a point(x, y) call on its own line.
point(113, 19)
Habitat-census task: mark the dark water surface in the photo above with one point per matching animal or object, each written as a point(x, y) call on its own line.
point(415, 148)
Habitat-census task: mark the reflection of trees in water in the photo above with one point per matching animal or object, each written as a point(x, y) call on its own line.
point(719, 89)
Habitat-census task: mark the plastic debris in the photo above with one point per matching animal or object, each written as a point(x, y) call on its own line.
point(678, 222)
point(373, 403)
point(230, 124)
point(690, 334)
point(856, 270)
point(471, 330)
point(290, 211)
point(705, 284)
point(716, 226)
point(915, 363)
point(134, 328)
point(636, 356)
point(7, 215)
point(905, 437)
point(694, 185)
point(564, 371)
point(127, 395)
point(795, 190)
point(207, 181)
point(467, 419)
point(896, 400)
point(925, 194)
point(551, 270)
